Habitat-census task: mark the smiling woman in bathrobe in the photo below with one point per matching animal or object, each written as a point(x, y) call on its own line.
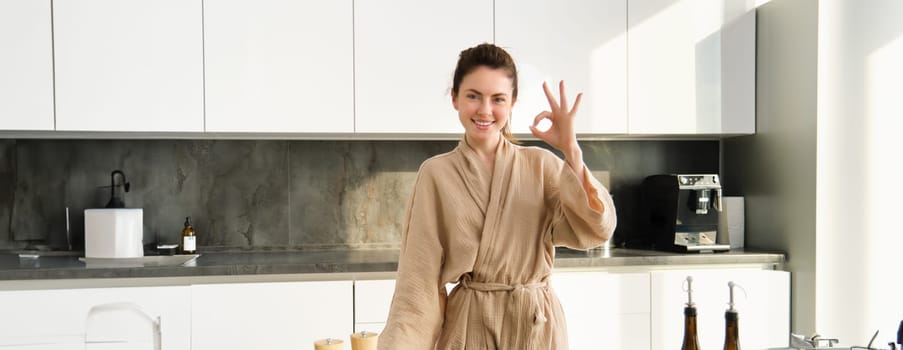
point(488, 215)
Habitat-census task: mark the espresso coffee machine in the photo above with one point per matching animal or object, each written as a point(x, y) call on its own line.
point(681, 212)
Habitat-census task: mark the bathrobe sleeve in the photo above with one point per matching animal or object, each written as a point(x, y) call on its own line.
point(575, 223)
point(418, 306)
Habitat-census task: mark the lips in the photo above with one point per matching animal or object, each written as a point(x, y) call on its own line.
point(483, 124)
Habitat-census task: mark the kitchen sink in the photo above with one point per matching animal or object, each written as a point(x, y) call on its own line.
point(144, 261)
point(28, 253)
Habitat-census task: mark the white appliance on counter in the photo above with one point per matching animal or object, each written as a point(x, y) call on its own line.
point(114, 233)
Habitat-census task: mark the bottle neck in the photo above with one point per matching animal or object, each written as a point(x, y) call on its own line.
point(690, 325)
point(731, 331)
point(691, 341)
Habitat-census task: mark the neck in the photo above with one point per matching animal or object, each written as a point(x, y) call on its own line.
point(484, 148)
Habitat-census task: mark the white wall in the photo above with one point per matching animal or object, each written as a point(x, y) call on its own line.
point(819, 175)
point(860, 120)
point(775, 169)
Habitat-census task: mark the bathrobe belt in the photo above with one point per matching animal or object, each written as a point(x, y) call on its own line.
point(519, 293)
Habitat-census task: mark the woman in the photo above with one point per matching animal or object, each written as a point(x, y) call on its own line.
point(488, 215)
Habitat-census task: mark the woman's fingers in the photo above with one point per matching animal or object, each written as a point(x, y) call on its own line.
point(539, 134)
point(539, 117)
point(576, 104)
point(561, 117)
point(562, 103)
point(549, 135)
point(552, 103)
point(562, 96)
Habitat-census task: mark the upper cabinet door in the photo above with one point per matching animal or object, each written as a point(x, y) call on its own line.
point(584, 43)
point(279, 66)
point(26, 65)
point(129, 65)
point(692, 66)
point(405, 53)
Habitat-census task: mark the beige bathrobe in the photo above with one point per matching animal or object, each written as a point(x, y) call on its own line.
point(494, 233)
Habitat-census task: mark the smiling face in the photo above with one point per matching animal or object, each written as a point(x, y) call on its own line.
point(484, 101)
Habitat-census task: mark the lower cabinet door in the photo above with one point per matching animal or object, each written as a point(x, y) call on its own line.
point(604, 310)
point(582, 296)
point(45, 343)
point(280, 315)
point(372, 299)
point(634, 332)
point(95, 318)
point(763, 305)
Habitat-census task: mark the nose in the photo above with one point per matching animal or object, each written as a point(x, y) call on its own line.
point(485, 107)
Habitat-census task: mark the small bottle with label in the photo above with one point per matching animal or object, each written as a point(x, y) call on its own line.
point(189, 245)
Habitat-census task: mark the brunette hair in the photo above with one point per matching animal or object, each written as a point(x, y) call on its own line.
point(487, 55)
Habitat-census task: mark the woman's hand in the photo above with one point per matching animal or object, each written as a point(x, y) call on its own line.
point(561, 134)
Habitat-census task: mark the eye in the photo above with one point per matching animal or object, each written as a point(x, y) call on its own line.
point(472, 96)
point(500, 100)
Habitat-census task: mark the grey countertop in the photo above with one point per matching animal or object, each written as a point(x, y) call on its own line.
point(13, 267)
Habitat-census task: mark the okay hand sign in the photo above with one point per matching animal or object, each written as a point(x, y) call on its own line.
point(561, 134)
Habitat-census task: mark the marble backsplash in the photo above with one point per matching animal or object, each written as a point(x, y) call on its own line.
point(267, 194)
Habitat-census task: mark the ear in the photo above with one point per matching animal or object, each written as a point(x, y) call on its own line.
point(454, 101)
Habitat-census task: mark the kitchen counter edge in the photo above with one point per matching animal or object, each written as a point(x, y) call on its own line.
point(357, 263)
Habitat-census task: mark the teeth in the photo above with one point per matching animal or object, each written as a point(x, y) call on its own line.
point(480, 123)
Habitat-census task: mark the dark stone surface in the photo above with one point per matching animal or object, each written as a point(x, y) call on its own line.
point(7, 187)
point(629, 162)
point(235, 191)
point(263, 195)
point(354, 193)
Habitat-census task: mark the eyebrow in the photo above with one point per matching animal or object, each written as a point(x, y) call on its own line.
point(480, 93)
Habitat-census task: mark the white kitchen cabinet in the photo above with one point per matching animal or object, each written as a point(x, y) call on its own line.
point(764, 308)
point(583, 42)
point(279, 66)
point(128, 65)
point(405, 53)
point(602, 309)
point(605, 310)
point(372, 299)
point(61, 319)
point(280, 315)
point(26, 65)
point(691, 67)
point(582, 296)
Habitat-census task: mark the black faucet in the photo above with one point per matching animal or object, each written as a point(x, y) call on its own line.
point(116, 201)
point(900, 334)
